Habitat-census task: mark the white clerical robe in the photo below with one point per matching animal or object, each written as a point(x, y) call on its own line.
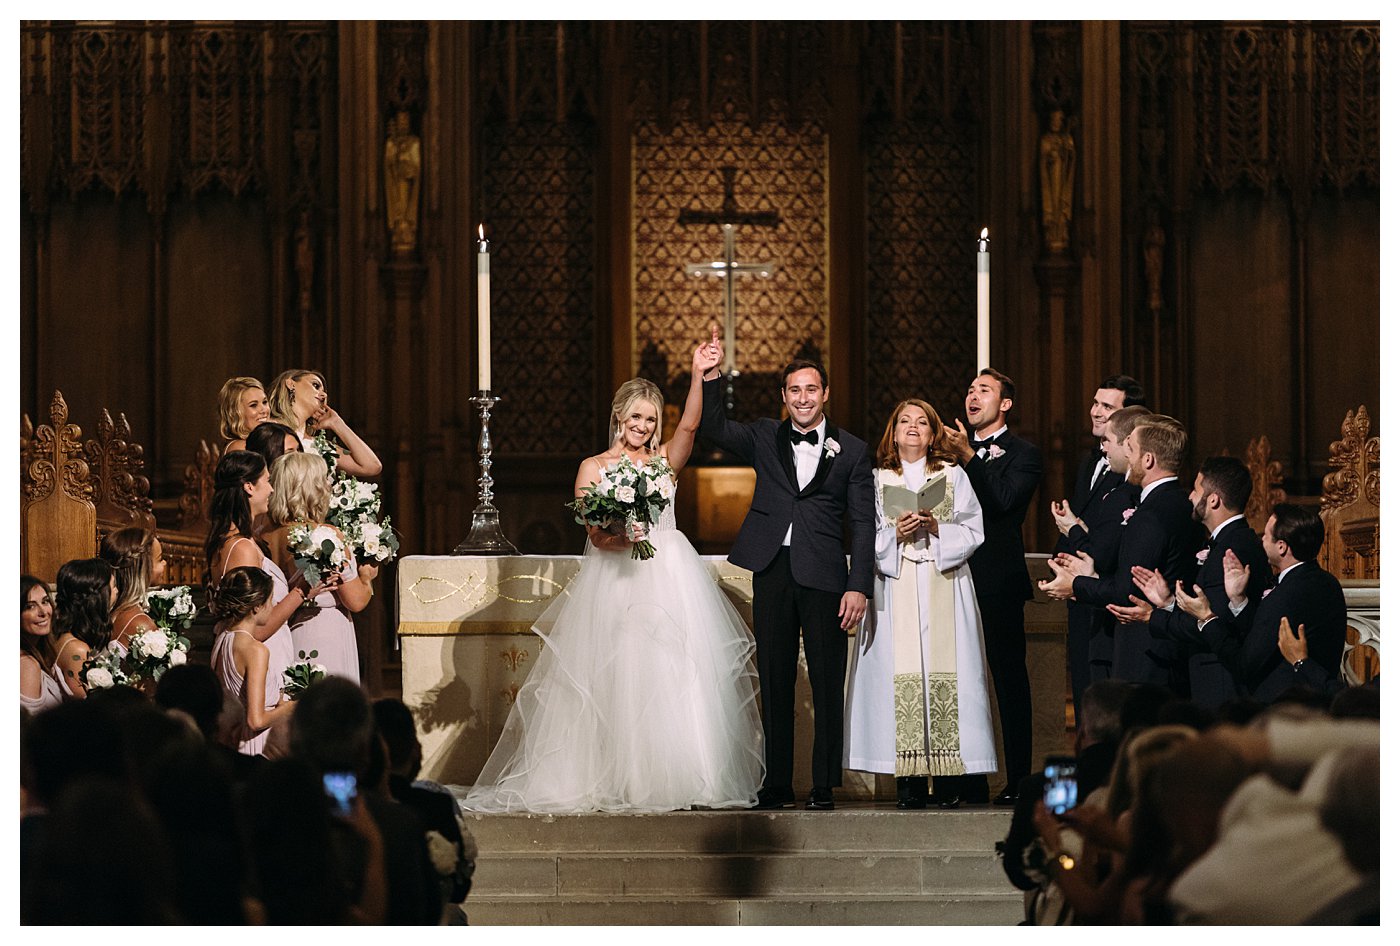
point(870, 689)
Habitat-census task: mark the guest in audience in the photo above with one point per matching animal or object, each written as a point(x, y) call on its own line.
point(299, 401)
point(1092, 485)
point(242, 603)
point(1005, 471)
point(332, 729)
point(195, 690)
point(1219, 498)
point(270, 440)
point(38, 688)
point(301, 496)
point(1293, 634)
point(917, 703)
point(242, 406)
point(242, 489)
point(137, 560)
point(1097, 531)
point(87, 590)
point(1160, 535)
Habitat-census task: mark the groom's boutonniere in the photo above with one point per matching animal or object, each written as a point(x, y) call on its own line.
point(994, 451)
point(831, 447)
point(1128, 514)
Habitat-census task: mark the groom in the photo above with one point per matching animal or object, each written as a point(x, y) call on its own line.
point(810, 475)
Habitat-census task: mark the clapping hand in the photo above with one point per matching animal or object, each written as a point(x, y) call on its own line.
point(1294, 647)
point(1152, 585)
point(1236, 578)
point(1061, 586)
point(1079, 565)
point(1065, 518)
point(1140, 612)
point(1197, 605)
point(708, 355)
point(957, 442)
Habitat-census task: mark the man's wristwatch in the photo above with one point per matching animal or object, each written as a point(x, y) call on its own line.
point(1298, 664)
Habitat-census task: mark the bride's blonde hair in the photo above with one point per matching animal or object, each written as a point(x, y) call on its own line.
point(638, 389)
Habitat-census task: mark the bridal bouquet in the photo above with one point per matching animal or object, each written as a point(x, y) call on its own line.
point(318, 552)
point(170, 606)
point(150, 654)
point(354, 510)
point(627, 494)
point(300, 676)
point(103, 669)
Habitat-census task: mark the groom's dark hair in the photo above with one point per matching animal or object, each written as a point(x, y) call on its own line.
point(797, 364)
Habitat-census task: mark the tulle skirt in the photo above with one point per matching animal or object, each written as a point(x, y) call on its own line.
point(643, 698)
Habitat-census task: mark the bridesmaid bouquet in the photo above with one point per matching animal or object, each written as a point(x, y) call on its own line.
point(154, 652)
point(627, 494)
point(103, 669)
point(300, 676)
point(327, 446)
point(354, 510)
point(318, 551)
point(170, 606)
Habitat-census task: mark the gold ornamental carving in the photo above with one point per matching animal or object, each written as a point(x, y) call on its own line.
point(514, 657)
point(403, 165)
point(1356, 464)
point(55, 451)
point(1057, 160)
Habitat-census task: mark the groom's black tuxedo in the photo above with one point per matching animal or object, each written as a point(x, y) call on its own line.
point(799, 587)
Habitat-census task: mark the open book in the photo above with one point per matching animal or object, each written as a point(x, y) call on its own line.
point(934, 497)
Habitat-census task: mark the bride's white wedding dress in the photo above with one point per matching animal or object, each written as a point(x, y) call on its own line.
point(643, 698)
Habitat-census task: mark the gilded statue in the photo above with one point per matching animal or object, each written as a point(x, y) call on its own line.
point(1056, 183)
point(403, 163)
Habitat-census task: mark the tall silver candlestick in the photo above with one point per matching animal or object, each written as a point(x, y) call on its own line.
point(485, 537)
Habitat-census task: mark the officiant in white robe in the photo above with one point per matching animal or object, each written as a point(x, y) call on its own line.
point(917, 702)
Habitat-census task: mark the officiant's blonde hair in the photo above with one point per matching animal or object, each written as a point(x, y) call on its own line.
point(301, 489)
point(638, 389)
point(939, 453)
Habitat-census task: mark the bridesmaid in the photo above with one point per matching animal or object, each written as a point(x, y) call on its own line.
point(271, 440)
point(301, 496)
point(242, 604)
point(38, 688)
point(241, 491)
point(298, 400)
point(87, 590)
point(136, 557)
point(242, 406)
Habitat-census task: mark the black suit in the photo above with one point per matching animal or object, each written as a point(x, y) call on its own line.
point(1308, 595)
point(1211, 680)
point(798, 589)
point(1160, 534)
point(1004, 484)
point(1088, 645)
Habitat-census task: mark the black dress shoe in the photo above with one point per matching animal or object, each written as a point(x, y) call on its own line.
point(1008, 796)
point(913, 803)
point(772, 800)
point(821, 800)
point(951, 802)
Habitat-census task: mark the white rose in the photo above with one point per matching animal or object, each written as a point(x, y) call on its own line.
point(626, 494)
point(99, 678)
point(372, 545)
point(177, 657)
point(365, 492)
point(665, 488)
point(155, 644)
point(442, 852)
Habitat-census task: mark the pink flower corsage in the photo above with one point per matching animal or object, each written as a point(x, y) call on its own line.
point(1201, 556)
point(994, 451)
point(1267, 592)
point(1128, 514)
point(831, 446)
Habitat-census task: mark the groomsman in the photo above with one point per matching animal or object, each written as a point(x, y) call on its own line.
point(1159, 534)
point(1218, 501)
point(1292, 634)
point(1004, 471)
point(1094, 481)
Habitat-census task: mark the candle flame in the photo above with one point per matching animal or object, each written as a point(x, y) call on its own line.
point(984, 233)
point(481, 231)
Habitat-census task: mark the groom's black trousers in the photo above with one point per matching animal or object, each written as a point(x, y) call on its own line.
point(781, 608)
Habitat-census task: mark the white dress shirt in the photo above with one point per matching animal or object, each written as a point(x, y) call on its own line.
point(805, 457)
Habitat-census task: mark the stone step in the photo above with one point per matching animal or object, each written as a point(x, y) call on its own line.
point(736, 875)
point(853, 829)
point(1004, 909)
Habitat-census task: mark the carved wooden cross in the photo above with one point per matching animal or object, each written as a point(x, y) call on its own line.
point(728, 217)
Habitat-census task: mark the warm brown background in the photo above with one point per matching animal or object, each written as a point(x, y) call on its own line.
point(169, 169)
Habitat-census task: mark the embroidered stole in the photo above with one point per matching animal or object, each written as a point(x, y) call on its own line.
point(925, 679)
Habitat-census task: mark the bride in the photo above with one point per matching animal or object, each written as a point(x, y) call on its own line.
point(643, 697)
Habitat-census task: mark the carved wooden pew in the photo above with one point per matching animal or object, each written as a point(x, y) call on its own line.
point(1351, 548)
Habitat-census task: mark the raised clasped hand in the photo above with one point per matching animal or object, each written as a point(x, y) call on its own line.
point(709, 354)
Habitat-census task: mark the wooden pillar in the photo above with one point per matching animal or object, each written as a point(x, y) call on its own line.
point(846, 234)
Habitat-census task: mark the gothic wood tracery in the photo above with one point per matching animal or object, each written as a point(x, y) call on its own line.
point(116, 464)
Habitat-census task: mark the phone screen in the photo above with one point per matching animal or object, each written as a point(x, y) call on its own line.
point(1061, 785)
point(340, 789)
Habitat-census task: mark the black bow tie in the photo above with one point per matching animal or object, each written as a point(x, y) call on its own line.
point(809, 437)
